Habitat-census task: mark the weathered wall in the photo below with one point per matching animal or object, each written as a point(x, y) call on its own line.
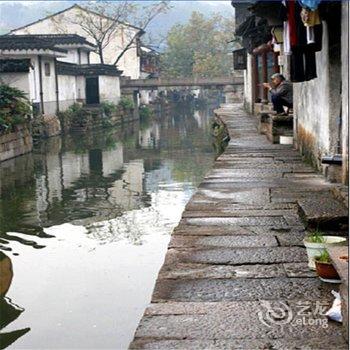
point(71, 56)
point(109, 88)
point(345, 88)
point(80, 82)
point(67, 87)
point(16, 143)
point(129, 64)
point(49, 87)
point(17, 80)
point(317, 106)
point(84, 57)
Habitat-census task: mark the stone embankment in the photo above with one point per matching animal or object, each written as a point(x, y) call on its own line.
point(16, 143)
point(235, 275)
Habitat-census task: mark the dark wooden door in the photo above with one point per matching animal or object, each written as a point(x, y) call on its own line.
point(92, 91)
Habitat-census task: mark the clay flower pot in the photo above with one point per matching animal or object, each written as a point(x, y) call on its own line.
point(327, 272)
point(316, 249)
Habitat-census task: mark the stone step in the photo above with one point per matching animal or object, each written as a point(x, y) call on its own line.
point(323, 211)
point(274, 126)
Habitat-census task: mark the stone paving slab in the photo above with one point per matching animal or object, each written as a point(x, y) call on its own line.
point(232, 241)
point(231, 212)
point(234, 321)
point(239, 195)
point(199, 204)
point(228, 344)
point(285, 236)
point(195, 271)
point(240, 221)
point(201, 290)
point(298, 270)
point(238, 256)
point(235, 274)
point(322, 210)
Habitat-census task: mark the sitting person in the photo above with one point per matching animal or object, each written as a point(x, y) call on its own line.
point(281, 93)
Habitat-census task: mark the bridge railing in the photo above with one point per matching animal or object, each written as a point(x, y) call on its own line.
point(181, 81)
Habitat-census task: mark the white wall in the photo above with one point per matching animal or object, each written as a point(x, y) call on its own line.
point(17, 80)
point(80, 86)
point(71, 89)
point(248, 85)
point(30, 83)
point(67, 88)
point(130, 63)
point(109, 88)
point(316, 108)
point(84, 57)
point(71, 56)
point(345, 88)
point(49, 86)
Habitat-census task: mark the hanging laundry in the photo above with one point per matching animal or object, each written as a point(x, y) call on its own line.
point(314, 37)
point(310, 4)
point(303, 57)
point(303, 65)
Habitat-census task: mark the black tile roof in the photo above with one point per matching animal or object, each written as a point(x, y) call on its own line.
point(59, 39)
point(66, 68)
point(27, 42)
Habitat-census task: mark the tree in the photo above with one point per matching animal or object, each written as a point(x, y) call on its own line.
point(201, 48)
point(102, 20)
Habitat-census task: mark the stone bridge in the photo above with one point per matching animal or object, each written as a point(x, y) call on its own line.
point(152, 83)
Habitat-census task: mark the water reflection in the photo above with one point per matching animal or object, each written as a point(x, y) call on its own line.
point(124, 190)
point(99, 176)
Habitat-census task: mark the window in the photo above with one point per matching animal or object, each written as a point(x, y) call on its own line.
point(47, 69)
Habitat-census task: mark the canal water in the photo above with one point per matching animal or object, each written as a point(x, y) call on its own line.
point(85, 221)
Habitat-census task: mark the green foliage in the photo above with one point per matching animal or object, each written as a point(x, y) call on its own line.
point(316, 237)
point(324, 258)
point(14, 108)
point(74, 115)
point(108, 108)
point(126, 103)
point(145, 112)
point(200, 48)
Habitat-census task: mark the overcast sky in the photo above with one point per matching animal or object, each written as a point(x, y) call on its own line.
point(17, 13)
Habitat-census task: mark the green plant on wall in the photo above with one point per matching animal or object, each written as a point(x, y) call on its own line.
point(126, 103)
point(108, 108)
point(74, 115)
point(14, 108)
point(145, 113)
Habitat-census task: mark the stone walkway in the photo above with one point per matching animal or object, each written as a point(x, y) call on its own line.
point(235, 275)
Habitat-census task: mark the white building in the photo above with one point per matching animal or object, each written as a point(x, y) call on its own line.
point(55, 71)
point(66, 22)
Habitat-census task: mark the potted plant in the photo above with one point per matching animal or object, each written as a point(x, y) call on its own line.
point(316, 244)
point(325, 269)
